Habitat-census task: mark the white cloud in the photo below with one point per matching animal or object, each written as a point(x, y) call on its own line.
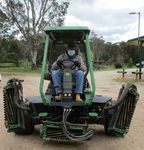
point(109, 18)
point(72, 20)
point(119, 4)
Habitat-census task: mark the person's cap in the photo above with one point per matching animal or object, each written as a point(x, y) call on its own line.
point(71, 45)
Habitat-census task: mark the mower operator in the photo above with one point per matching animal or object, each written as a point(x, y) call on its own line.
point(78, 75)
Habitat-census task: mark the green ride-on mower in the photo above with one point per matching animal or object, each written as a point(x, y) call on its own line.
point(67, 120)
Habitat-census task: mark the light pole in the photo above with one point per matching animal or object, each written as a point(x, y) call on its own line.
point(140, 67)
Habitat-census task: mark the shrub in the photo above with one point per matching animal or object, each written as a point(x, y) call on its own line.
point(24, 63)
point(118, 65)
point(130, 63)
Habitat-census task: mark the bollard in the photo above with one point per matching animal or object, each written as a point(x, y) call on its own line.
point(137, 73)
point(0, 78)
point(123, 72)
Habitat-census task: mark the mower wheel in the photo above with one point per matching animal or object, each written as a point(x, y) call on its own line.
point(107, 124)
point(27, 126)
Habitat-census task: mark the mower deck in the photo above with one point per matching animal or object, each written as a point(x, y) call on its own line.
point(97, 100)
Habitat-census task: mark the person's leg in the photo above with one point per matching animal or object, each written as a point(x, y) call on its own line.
point(79, 79)
point(57, 80)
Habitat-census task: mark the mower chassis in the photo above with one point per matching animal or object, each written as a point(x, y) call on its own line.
point(67, 121)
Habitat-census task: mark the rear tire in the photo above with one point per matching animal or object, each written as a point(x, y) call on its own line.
point(107, 124)
point(27, 126)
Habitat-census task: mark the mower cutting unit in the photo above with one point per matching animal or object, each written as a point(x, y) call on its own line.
point(67, 120)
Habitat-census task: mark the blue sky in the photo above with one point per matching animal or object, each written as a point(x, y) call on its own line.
point(108, 18)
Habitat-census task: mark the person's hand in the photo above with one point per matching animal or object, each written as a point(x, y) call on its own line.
point(59, 63)
point(78, 64)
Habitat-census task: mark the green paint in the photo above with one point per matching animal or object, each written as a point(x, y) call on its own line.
point(43, 114)
point(45, 99)
point(43, 132)
point(11, 128)
point(118, 132)
point(46, 127)
point(66, 28)
point(67, 74)
point(93, 114)
point(76, 128)
point(87, 90)
point(89, 57)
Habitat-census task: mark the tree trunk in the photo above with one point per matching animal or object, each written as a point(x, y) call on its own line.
point(34, 58)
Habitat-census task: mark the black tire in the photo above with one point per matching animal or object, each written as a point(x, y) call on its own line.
point(27, 126)
point(107, 123)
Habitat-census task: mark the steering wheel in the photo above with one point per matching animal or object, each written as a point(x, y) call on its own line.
point(66, 64)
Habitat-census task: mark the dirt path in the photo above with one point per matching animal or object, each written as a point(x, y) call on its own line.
point(105, 86)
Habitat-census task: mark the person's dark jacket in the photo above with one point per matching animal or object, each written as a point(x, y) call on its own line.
point(64, 56)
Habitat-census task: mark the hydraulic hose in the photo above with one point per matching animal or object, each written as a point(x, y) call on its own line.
point(77, 138)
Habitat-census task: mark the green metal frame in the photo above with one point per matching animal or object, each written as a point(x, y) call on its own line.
point(45, 99)
point(89, 56)
point(11, 128)
point(64, 28)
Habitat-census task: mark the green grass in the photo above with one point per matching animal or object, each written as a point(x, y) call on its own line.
point(19, 69)
point(23, 70)
point(7, 65)
point(104, 68)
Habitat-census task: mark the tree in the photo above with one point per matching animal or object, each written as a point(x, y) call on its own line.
point(10, 51)
point(4, 25)
point(14, 54)
point(3, 49)
point(29, 17)
point(97, 46)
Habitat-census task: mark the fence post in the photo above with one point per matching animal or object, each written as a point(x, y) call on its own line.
point(123, 72)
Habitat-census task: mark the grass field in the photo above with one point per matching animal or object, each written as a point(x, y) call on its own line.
point(7, 65)
point(11, 67)
point(19, 69)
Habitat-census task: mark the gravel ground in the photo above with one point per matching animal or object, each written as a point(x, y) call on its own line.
point(105, 85)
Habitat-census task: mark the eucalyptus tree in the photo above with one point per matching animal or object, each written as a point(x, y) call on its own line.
point(29, 17)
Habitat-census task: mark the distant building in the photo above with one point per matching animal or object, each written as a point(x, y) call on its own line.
point(135, 41)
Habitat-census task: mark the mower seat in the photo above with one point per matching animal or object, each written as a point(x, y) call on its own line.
point(51, 90)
